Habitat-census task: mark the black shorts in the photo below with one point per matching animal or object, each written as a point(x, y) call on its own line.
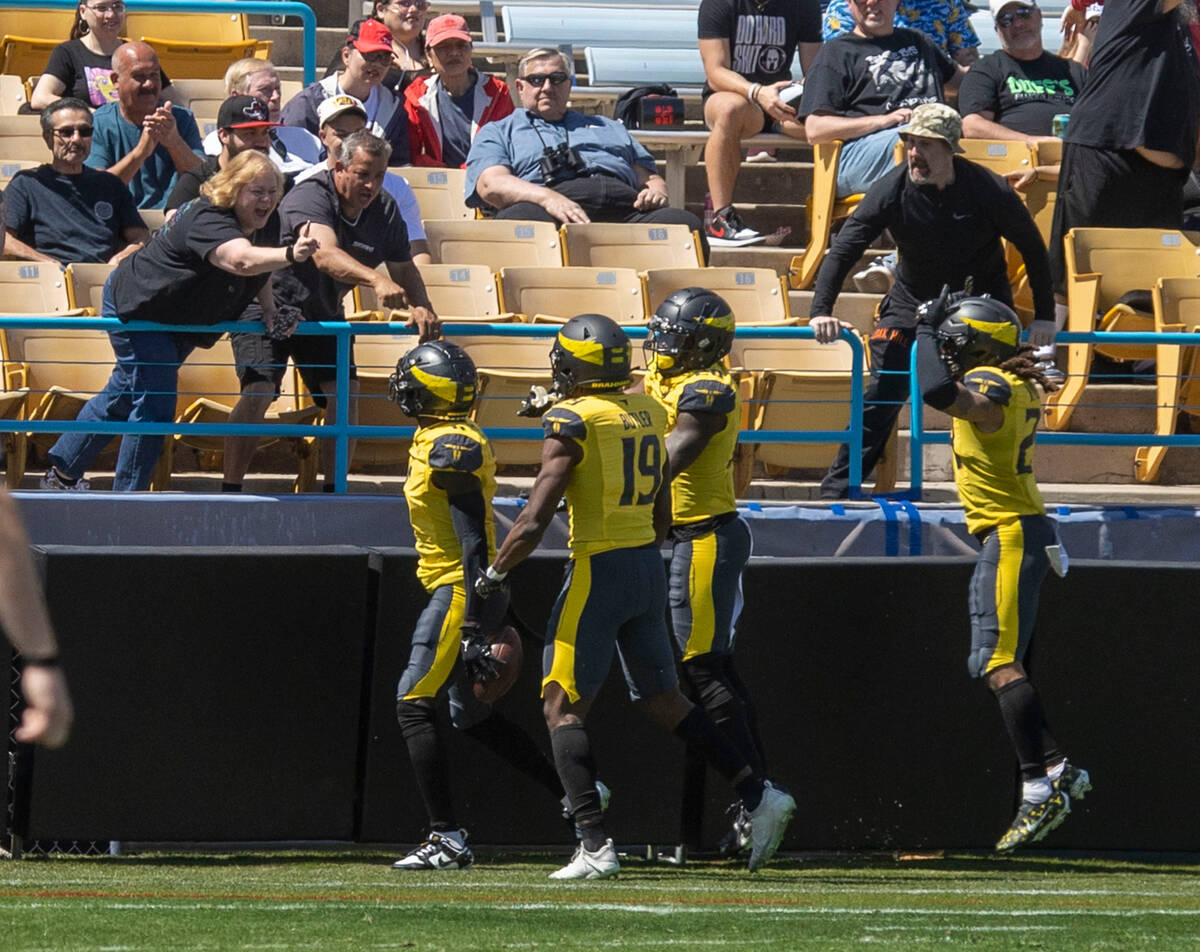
point(1102, 188)
point(263, 359)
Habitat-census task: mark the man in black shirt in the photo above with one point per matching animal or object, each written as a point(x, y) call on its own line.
point(747, 48)
point(947, 217)
point(1015, 92)
point(1132, 136)
point(357, 226)
point(243, 122)
point(65, 212)
point(865, 84)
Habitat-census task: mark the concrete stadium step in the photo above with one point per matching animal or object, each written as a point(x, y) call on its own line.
point(786, 181)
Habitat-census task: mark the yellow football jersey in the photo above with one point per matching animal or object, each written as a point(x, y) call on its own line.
point(705, 488)
point(994, 471)
point(458, 447)
point(611, 493)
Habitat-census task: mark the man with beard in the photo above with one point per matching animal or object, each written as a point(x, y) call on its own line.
point(947, 217)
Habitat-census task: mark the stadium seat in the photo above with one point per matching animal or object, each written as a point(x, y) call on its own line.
point(997, 155)
point(1176, 310)
point(188, 60)
point(209, 388)
point(495, 244)
point(376, 358)
point(439, 192)
point(798, 385)
point(12, 94)
point(823, 209)
point(13, 406)
point(531, 26)
point(10, 167)
point(21, 139)
point(558, 294)
point(85, 286)
point(196, 45)
point(201, 96)
point(25, 55)
point(153, 217)
point(458, 293)
point(1039, 198)
point(37, 21)
point(1102, 265)
point(623, 245)
point(756, 295)
point(34, 287)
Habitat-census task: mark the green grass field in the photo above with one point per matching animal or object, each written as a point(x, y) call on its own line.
point(329, 901)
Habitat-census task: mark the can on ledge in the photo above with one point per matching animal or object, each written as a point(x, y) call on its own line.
point(1059, 124)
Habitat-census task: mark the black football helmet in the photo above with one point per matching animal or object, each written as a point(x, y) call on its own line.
point(435, 379)
point(590, 353)
point(692, 329)
point(978, 331)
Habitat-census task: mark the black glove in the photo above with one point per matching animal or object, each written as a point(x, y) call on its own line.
point(480, 664)
point(932, 313)
point(487, 587)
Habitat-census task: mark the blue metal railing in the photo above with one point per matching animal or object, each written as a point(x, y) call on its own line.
point(920, 438)
point(342, 432)
point(263, 7)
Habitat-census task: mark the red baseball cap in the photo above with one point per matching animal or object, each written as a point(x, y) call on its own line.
point(370, 36)
point(449, 26)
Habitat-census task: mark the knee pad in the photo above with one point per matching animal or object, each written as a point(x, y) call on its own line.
point(707, 673)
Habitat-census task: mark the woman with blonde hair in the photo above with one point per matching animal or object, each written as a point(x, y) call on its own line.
point(82, 66)
point(204, 266)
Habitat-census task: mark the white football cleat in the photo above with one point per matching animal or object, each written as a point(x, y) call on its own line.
point(588, 864)
point(768, 822)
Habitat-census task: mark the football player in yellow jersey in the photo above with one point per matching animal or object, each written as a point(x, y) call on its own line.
point(449, 489)
point(972, 365)
point(690, 334)
point(605, 450)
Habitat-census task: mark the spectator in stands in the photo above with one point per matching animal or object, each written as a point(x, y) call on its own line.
point(747, 49)
point(82, 66)
point(548, 163)
point(1132, 136)
point(365, 59)
point(292, 149)
point(946, 22)
point(1015, 92)
point(947, 217)
point(358, 227)
point(145, 144)
point(65, 212)
point(342, 116)
point(863, 86)
point(405, 20)
point(446, 110)
point(204, 267)
point(243, 122)
point(47, 717)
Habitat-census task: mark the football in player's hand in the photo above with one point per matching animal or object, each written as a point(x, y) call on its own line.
point(508, 652)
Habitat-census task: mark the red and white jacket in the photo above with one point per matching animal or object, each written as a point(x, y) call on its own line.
point(492, 101)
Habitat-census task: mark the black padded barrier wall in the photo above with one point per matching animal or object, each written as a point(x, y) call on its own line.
point(217, 693)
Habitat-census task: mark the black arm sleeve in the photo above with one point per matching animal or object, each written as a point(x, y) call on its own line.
point(1015, 224)
point(467, 512)
point(860, 229)
point(938, 388)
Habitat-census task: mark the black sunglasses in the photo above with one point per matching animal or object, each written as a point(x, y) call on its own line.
point(537, 79)
point(1021, 13)
point(66, 132)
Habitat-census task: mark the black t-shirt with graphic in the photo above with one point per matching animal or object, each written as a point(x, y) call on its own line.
point(187, 186)
point(872, 76)
point(1024, 95)
point(71, 218)
point(172, 280)
point(762, 36)
point(1143, 85)
point(376, 235)
point(87, 75)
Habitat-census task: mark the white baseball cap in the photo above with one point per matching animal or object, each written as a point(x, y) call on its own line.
point(997, 6)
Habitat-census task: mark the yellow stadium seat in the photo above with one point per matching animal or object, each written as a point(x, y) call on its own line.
point(1039, 198)
point(25, 55)
point(439, 193)
point(1176, 310)
point(34, 287)
point(154, 218)
point(376, 358)
point(37, 21)
point(22, 139)
point(202, 96)
point(193, 27)
point(187, 59)
point(823, 209)
point(557, 294)
point(1102, 265)
point(85, 286)
point(10, 167)
point(13, 406)
point(997, 155)
point(627, 245)
point(495, 244)
point(756, 295)
point(458, 293)
point(209, 388)
point(12, 94)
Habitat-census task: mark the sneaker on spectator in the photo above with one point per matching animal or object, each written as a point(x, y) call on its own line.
point(56, 483)
point(761, 155)
point(877, 277)
point(727, 230)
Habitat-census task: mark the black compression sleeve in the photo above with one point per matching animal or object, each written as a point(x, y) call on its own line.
point(468, 514)
point(938, 388)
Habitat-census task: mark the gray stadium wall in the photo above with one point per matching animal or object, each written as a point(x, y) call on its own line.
point(229, 694)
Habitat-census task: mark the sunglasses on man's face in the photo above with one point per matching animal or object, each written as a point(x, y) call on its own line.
point(537, 79)
point(1005, 20)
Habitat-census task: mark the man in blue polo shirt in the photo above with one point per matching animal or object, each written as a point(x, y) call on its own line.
point(144, 144)
point(547, 163)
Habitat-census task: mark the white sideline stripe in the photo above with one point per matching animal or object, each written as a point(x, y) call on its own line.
point(665, 909)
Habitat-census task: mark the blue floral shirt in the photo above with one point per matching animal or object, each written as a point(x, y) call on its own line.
point(946, 22)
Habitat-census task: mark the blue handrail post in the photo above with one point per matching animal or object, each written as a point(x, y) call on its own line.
point(264, 7)
point(342, 427)
point(916, 432)
point(856, 412)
